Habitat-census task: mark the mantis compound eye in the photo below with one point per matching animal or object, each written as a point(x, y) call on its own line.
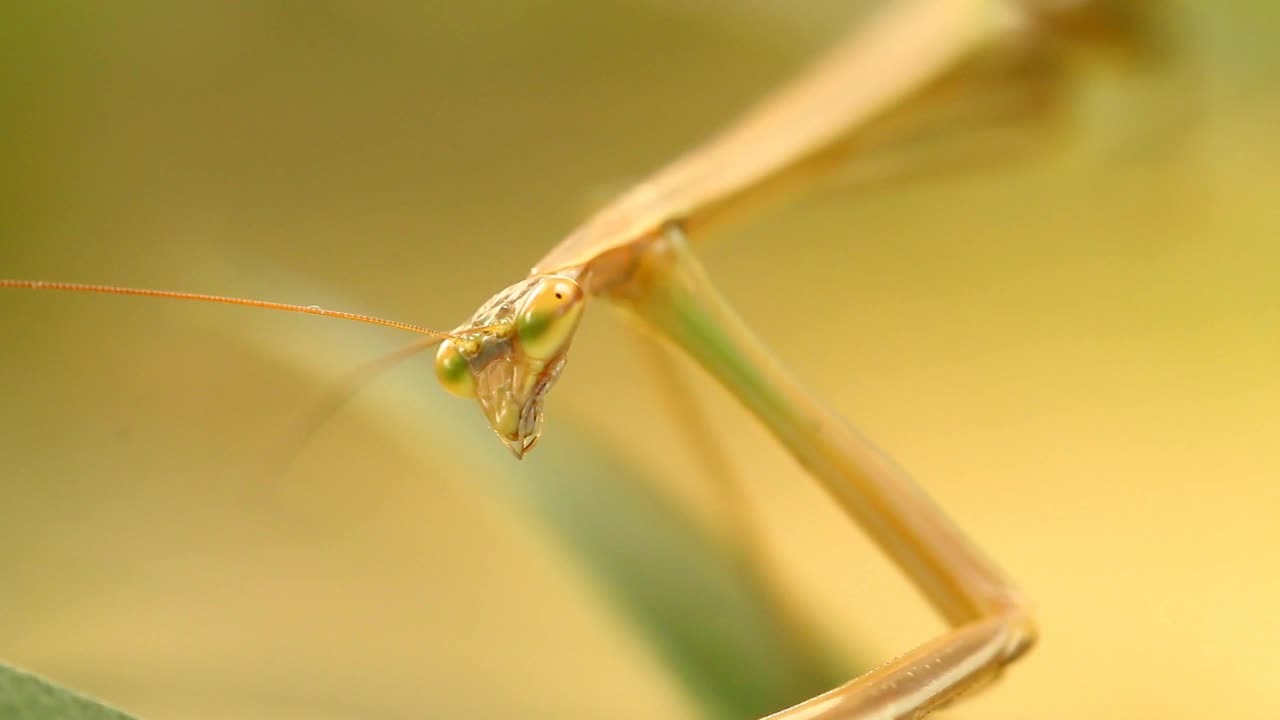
point(548, 317)
point(453, 371)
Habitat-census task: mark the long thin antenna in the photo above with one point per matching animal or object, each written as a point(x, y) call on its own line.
point(341, 392)
point(309, 309)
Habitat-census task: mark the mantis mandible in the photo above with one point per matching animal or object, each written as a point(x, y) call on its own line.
point(635, 253)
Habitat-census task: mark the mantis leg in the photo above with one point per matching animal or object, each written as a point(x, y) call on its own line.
point(739, 520)
point(990, 625)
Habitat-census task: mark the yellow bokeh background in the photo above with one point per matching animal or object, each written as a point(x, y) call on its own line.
point(1073, 348)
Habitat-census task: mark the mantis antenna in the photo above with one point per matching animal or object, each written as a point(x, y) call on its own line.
point(342, 391)
point(309, 309)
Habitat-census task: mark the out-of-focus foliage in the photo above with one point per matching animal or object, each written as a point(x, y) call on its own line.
point(25, 696)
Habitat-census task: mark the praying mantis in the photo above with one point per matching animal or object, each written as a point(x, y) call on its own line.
point(636, 253)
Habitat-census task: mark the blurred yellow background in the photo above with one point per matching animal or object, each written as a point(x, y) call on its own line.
point(1074, 351)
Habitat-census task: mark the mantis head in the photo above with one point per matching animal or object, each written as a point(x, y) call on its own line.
point(511, 352)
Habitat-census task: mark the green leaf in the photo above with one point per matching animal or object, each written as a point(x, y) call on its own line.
point(24, 696)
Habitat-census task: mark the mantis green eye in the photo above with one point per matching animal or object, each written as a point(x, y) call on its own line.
point(453, 371)
point(549, 316)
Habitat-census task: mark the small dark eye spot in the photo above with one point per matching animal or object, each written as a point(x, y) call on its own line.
point(559, 296)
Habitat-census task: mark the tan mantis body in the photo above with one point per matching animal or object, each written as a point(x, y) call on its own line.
point(634, 251)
